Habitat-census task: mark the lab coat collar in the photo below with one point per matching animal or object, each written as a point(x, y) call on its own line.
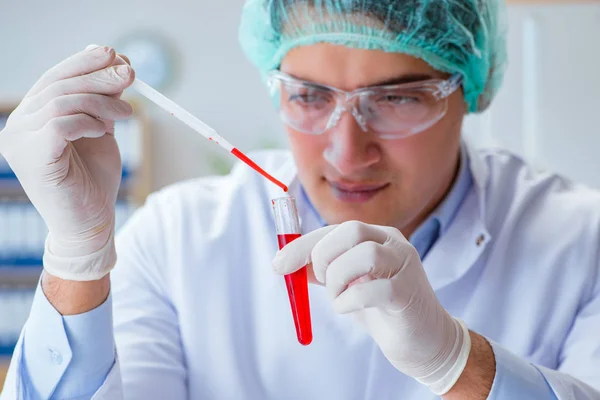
point(480, 173)
point(459, 248)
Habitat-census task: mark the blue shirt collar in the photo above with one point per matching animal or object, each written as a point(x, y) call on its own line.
point(307, 201)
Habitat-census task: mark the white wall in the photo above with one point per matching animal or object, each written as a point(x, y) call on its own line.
point(546, 111)
point(214, 80)
point(549, 107)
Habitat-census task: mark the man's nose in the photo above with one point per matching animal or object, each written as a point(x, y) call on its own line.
point(351, 149)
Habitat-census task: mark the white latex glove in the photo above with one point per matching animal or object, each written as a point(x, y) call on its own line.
point(376, 274)
point(60, 144)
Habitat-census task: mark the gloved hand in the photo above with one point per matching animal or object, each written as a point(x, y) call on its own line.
point(374, 273)
point(60, 144)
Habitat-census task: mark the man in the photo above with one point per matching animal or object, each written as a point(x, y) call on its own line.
point(438, 270)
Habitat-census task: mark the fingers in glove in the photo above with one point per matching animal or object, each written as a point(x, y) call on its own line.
point(355, 263)
point(93, 58)
point(95, 105)
point(342, 239)
point(73, 127)
point(374, 293)
point(121, 59)
point(59, 131)
point(296, 254)
point(108, 81)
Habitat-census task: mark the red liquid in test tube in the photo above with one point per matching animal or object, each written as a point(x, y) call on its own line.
point(288, 229)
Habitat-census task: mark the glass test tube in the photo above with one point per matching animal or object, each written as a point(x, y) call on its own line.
point(288, 229)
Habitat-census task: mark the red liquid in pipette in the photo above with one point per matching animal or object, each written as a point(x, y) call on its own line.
point(297, 287)
point(258, 169)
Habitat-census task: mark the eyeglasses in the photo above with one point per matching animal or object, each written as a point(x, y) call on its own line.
point(390, 111)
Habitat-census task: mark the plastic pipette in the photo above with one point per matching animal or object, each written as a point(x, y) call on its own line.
point(187, 118)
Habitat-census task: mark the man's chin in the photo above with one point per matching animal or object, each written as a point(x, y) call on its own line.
point(335, 211)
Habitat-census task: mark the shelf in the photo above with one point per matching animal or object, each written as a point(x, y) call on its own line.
point(20, 261)
point(20, 272)
point(20, 277)
point(6, 351)
point(9, 178)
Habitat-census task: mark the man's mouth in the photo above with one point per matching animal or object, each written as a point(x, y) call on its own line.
point(355, 192)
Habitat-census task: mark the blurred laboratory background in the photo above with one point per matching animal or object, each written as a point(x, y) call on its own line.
point(547, 110)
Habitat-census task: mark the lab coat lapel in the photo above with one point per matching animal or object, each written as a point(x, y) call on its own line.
point(479, 171)
point(459, 248)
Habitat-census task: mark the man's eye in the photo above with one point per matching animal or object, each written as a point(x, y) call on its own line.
point(308, 99)
point(397, 100)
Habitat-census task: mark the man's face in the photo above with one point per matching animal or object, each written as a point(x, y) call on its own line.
point(350, 174)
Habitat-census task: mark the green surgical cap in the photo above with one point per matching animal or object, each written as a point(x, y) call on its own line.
point(454, 36)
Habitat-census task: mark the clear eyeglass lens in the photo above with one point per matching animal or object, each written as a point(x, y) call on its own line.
point(386, 111)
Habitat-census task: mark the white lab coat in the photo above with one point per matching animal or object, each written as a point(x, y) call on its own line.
point(199, 314)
